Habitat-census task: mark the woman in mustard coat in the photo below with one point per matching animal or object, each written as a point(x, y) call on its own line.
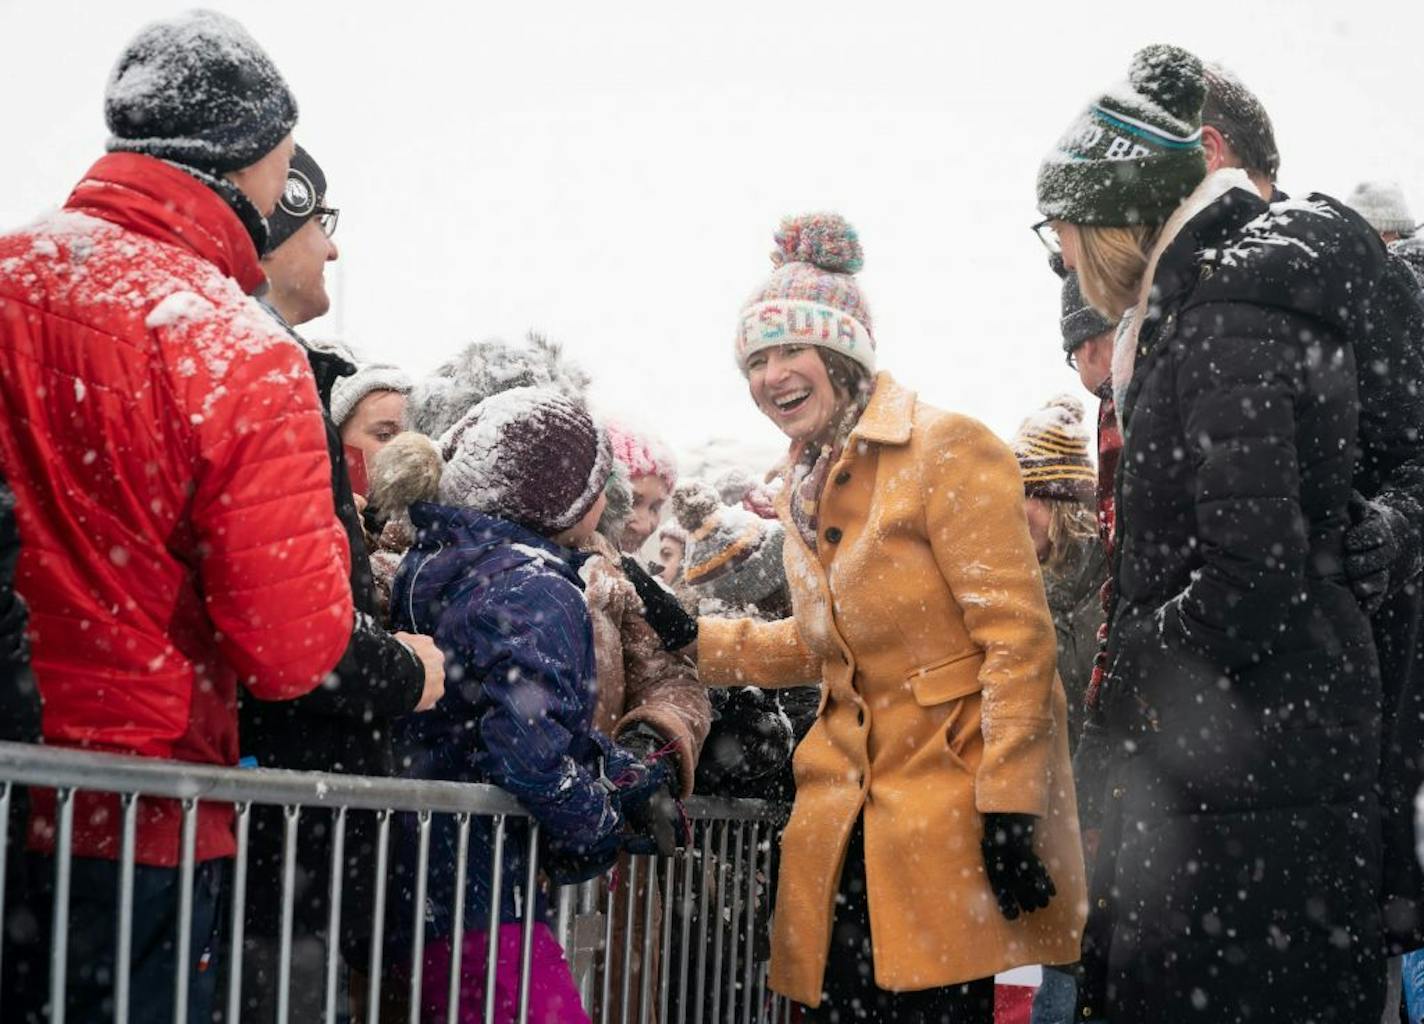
point(933, 794)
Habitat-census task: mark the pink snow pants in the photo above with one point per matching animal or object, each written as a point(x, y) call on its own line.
point(553, 999)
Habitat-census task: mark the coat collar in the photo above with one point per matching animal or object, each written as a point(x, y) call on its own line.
point(890, 416)
point(156, 199)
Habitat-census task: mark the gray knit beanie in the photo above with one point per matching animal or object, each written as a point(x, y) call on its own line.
point(348, 391)
point(1382, 204)
point(1079, 321)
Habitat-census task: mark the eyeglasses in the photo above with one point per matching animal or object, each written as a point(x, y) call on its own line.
point(1044, 230)
point(326, 217)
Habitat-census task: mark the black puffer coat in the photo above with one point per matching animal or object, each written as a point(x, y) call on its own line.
point(343, 725)
point(1239, 873)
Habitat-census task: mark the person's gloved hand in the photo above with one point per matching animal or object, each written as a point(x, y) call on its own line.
point(674, 627)
point(651, 808)
point(1372, 546)
point(1018, 878)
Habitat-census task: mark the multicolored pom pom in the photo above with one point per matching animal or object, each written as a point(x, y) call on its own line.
point(824, 240)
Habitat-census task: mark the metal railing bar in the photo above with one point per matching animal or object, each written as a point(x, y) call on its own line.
point(735, 921)
point(750, 938)
point(243, 812)
point(5, 789)
point(630, 899)
point(531, 904)
point(645, 989)
point(496, 895)
point(701, 1004)
point(123, 941)
point(333, 919)
point(612, 879)
point(718, 923)
point(378, 917)
point(417, 934)
point(63, 861)
point(182, 956)
point(291, 819)
point(457, 944)
point(665, 965)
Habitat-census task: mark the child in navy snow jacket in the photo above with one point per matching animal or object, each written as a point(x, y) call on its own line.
point(493, 579)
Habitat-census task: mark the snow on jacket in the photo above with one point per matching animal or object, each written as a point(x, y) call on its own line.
point(638, 681)
point(506, 607)
point(923, 613)
point(1239, 864)
point(165, 443)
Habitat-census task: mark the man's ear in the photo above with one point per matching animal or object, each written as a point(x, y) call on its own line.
point(1215, 149)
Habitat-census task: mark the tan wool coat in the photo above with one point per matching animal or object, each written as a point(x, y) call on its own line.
point(924, 614)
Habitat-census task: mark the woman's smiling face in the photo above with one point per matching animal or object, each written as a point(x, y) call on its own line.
point(791, 387)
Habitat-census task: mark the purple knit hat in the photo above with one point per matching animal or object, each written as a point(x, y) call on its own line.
point(812, 297)
point(533, 455)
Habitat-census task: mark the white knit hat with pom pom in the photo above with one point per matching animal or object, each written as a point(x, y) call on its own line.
point(812, 297)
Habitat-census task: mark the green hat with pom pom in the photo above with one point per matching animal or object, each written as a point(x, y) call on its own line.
point(1136, 153)
point(812, 297)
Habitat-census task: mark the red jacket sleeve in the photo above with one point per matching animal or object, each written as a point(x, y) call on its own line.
point(273, 559)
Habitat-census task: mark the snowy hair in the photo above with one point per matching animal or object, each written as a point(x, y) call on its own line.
point(1070, 524)
point(619, 492)
point(405, 471)
point(1111, 262)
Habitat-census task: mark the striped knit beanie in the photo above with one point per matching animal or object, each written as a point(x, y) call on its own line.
point(732, 555)
point(1052, 449)
point(1136, 153)
point(812, 297)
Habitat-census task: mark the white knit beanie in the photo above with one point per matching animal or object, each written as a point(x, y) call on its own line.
point(348, 391)
point(1382, 204)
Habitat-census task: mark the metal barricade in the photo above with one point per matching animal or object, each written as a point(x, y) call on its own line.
point(683, 950)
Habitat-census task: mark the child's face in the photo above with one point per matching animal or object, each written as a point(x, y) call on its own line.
point(581, 531)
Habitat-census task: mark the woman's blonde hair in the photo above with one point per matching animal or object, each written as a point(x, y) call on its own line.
point(1070, 523)
point(1111, 262)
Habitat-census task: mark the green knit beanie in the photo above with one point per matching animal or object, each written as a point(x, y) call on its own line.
point(1136, 153)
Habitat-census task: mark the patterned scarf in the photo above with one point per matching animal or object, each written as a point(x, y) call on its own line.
point(811, 463)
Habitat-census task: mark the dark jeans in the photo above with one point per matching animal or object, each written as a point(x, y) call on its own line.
point(93, 928)
point(850, 992)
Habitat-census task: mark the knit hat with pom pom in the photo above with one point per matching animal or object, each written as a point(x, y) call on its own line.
point(1052, 449)
point(1136, 153)
point(812, 297)
point(732, 555)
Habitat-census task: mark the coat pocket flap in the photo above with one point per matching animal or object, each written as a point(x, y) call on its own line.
point(947, 680)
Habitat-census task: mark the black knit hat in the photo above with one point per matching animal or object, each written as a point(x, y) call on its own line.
point(1080, 322)
point(196, 89)
point(304, 194)
point(1136, 153)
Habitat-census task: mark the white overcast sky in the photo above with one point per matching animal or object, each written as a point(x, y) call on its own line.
point(612, 172)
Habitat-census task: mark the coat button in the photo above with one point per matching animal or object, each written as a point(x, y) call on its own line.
point(833, 534)
point(1102, 903)
point(1117, 792)
point(843, 478)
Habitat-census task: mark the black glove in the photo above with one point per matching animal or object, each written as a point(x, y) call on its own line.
point(1017, 876)
point(674, 627)
point(655, 817)
point(1372, 546)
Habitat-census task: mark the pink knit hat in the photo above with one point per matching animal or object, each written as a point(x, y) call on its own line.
point(811, 297)
point(642, 454)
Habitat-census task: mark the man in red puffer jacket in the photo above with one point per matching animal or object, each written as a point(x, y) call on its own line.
point(165, 444)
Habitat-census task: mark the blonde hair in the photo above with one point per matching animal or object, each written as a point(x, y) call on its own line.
point(1111, 262)
point(1070, 523)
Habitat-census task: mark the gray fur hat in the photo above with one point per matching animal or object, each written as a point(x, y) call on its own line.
point(733, 555)
point(485, 368)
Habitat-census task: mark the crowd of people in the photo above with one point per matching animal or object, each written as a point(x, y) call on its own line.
point(1136, 700)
